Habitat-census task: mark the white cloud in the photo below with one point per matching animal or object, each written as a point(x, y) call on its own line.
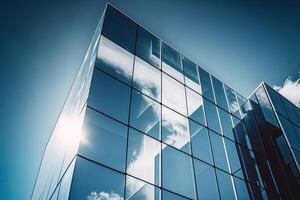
point(104, 196)
point(290, 89)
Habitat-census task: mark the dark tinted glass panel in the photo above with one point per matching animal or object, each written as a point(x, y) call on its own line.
point(191, 75)
point(225, 185)
point(177, 174)
point(104, 140)
point(195, 106)
point(226, 123)
point(232, 101)
point(241, 189)
point(290, 133)
point(105, 96)
point(218, 151)
point(143, 157)
point(119, 29)
point(171, 196)
point(219, 93)
point(284, 149)
point(207, 90)
point(200, 142)
point(145, 114)
point(289, 107)
point(212, 116)
point(171, 63)
point(148, 47)
point(276, 100)
point(241, 133)
point(115, 60)
point(92, 181)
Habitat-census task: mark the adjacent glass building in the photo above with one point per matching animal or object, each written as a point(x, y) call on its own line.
point(142, 121)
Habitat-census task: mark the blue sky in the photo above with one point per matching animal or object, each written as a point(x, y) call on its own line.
point(43, 43)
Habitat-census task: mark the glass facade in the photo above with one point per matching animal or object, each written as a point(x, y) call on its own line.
point(145, 122)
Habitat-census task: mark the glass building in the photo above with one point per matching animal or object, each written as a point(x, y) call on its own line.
point(142, 121)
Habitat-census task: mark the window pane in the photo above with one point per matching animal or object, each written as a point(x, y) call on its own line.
point(92, 181)
point(139, 190)
point(289, 107)
point(148, 47)
point(143, 158)
point(200, 142)
point(234, 159)
point(226, 123)
point(205, 181)
point(173, 94)
point(147, 79)
point(242, 189)
point(290, 132)
point(171, 196)
point(178, 173)
point(175, 130)
point(241, 133)
point(218, 151)
point(225, 185)
point(145, 114)
point(232, 101)
point(276, 100)
point(195, 106)
point(191, 75)
point(212, 116)
point(171, 63)
point(219, 93)
point(114, 60)
point(206, 85)
point(105, 96)
point(119, 29)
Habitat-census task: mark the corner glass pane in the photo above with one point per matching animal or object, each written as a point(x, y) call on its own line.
point(219, 154)
point(195, 106)
point(148, 47)
point(145, 114)
point(173, 94)
point(191, 75)
point(114, 60)
point(171, 196)
point(171, 63)
point(147, 79)
point(103, 136)
point(205, 181)
point(233, 104)
point(92, 181)
point(207, 90)
point(226, 124)
point(212, 116)
point(200, 142)
point(119, 29)
point(143, 157)
point(219, 93)
point(177, 174)
point(175, 130)
point(105, 96)
point(225, 185)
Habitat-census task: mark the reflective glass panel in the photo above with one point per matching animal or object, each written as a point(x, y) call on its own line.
point(115, 60)
point(241, 133)
point(105, 96)
point(171, 196)
point(212, 116)
point(143, 157)
point(200, 142)
point(219, 93)
point(173, 94)
point(191, 75)
point(232, 101)
point(195, 106)
point(175, 130)
point(205, 181)
point(290, 132)
point(171, 63)
point(119, 29)
point(241, 189)
point(92, 181)
point(276, 100)
point(226, 124)
point(225, 185)
point(289, 107)
point(145, 114)
point(207, 90)
point(233, 157)
point(177, 174)
point(148, 47)
point(147, 79)
point(139, 190)
point(219, 154)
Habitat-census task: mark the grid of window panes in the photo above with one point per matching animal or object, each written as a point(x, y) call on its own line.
point(158, 126)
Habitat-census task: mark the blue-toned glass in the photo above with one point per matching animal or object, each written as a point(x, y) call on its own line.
point(173, 94)
point(143, 157)
point(207, 90)
point(206, 181)
point(232, 101)
point(225, 185)
point(220, 157)
point(219, 93)
point(147, 79)
point(243, 192)
point(290, 132)
point(139, 190)
point(212, 116)
point(226, 124)
point(233, 157)
point(195, 106)
point(148, 47)
point(284, 149)
point(289, 107)
point(200, 142)
point(191, 75)
point(171, 62)
point(105, 96)
point(120, 29)
point(175, 130)
point(92, 181)
point(115, 60)
point(276, 100)
point(145, 114)
point(177, 172)
point(104, 140)
point(171, 196)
